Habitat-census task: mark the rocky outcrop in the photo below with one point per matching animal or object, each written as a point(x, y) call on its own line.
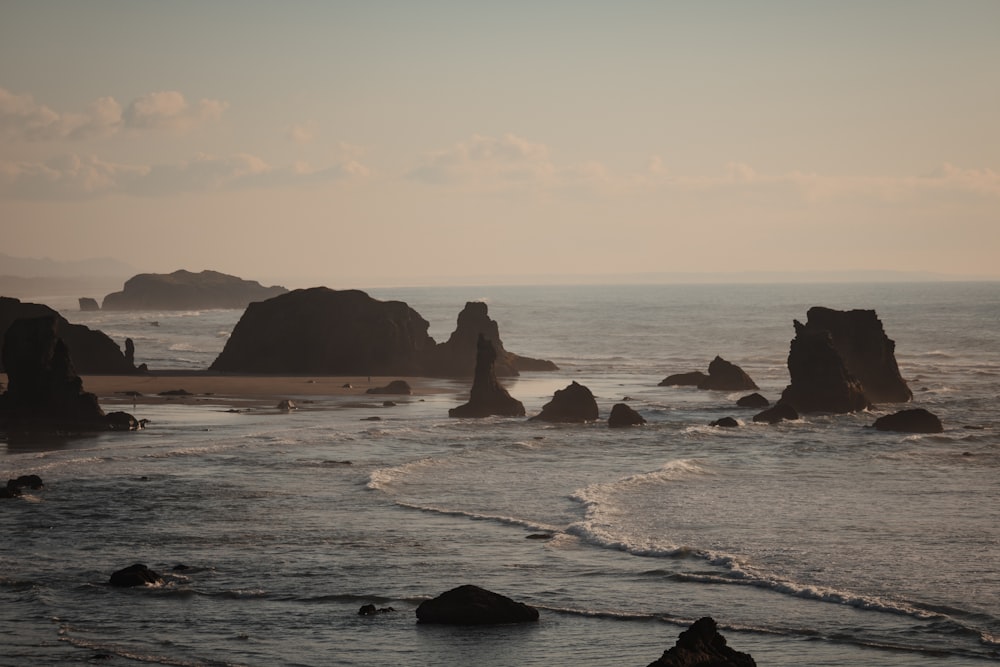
point(325, 331)
point(347, 332)
point(722, 376)
point(726, 376)
point(92, 351)
point(867, 353)
point(472, 605)
point(88, 304)
point(396, 387)
point(623, 415)
point(135, 575)
point(16, 486)
point(44, 393)
point(754, 400)
point(574, 404)
point(456, 357)
point(692, 379)
point(779, 413)
point(487, 397)
point(820, 381)
point(184, 290)
point(916, 420)
point(701, 645)
point(725, 422)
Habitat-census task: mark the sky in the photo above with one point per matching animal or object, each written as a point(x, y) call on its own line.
point(435, 142)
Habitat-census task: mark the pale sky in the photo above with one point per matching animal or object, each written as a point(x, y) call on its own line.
point(408, 142)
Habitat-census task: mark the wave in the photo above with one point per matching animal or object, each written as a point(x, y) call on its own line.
point(383, 478)
point(478, 516)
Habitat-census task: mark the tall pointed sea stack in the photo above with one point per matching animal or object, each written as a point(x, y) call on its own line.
point(820, 380)
point(487, 397)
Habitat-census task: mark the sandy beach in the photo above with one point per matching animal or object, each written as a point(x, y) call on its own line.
point(246, 390)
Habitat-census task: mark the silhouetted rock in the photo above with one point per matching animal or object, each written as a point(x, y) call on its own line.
point(692, 379)
point(575, 403)
point(44, 393)
point(400, 387)
point(701, 645)
point(15, 487)
point(123, 421)
point(754, 400)
point(88, 304)
point(286, 405)
point(92, 351)
point(325, 331)
point(820, 381)
point(456, 357)
point(780, 412)
point(623, 415)
point(184, 290)
point(487, 396)
point(135, 575)
point(726, 376)
point(372, 610)
point(725, 422)
point(868, 354)
point(916, 420)
point(472, 605)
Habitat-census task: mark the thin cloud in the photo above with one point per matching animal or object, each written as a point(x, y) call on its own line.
point(74, 177)
point(22, 118)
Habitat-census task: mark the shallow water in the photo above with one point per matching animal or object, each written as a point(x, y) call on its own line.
point(812, 542)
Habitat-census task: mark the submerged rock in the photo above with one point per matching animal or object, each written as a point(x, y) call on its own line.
point(916, 420)
point(692, 379)
point(573, 404)
point(487, 397)
point(701, 645)
point(725, 422)
point(135, 575)
point(754, 400)
point(399, 387)
point(778, 413)
point(472, 605)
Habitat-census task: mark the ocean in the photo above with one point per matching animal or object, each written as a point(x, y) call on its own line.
point(813, 542)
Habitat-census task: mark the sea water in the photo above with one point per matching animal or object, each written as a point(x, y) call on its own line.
point(813, 542)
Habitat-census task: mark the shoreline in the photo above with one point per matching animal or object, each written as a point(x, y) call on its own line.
point(245, 390)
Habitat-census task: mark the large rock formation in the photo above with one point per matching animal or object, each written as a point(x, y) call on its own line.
point(701, 645)
point(820, 381)
point(472, 605)
point(184, 290)
point(573, 404)
point(867, 353)
point(722, 376)
point(325, 331)
point(456, 357)
point(487, 396)
point(347, 332)
point(44, 393)
point(92, 351)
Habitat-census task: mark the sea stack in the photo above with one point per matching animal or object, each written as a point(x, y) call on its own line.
point(487, 396)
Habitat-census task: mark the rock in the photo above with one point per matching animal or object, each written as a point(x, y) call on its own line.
point(915, 420)
point(820, 381)
point(320, 331)
point(401, 387)
point(725, 422)
point(471, 605)
point(780, 412)
point(92, 351)
point(701, 645)
point(123, 421)
point(754, 400)
point(286, 405)
point(14, 487)
point(88, 304)
point(573, 404)
point(456, 357)
point(135, 575)
point(184, 290)
point(726, 376)
point(692, 379)
point(623, 415)
point(867, 353)
point(44, 393)
point(487, 397)
point(175, 392)
point(372, 610)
